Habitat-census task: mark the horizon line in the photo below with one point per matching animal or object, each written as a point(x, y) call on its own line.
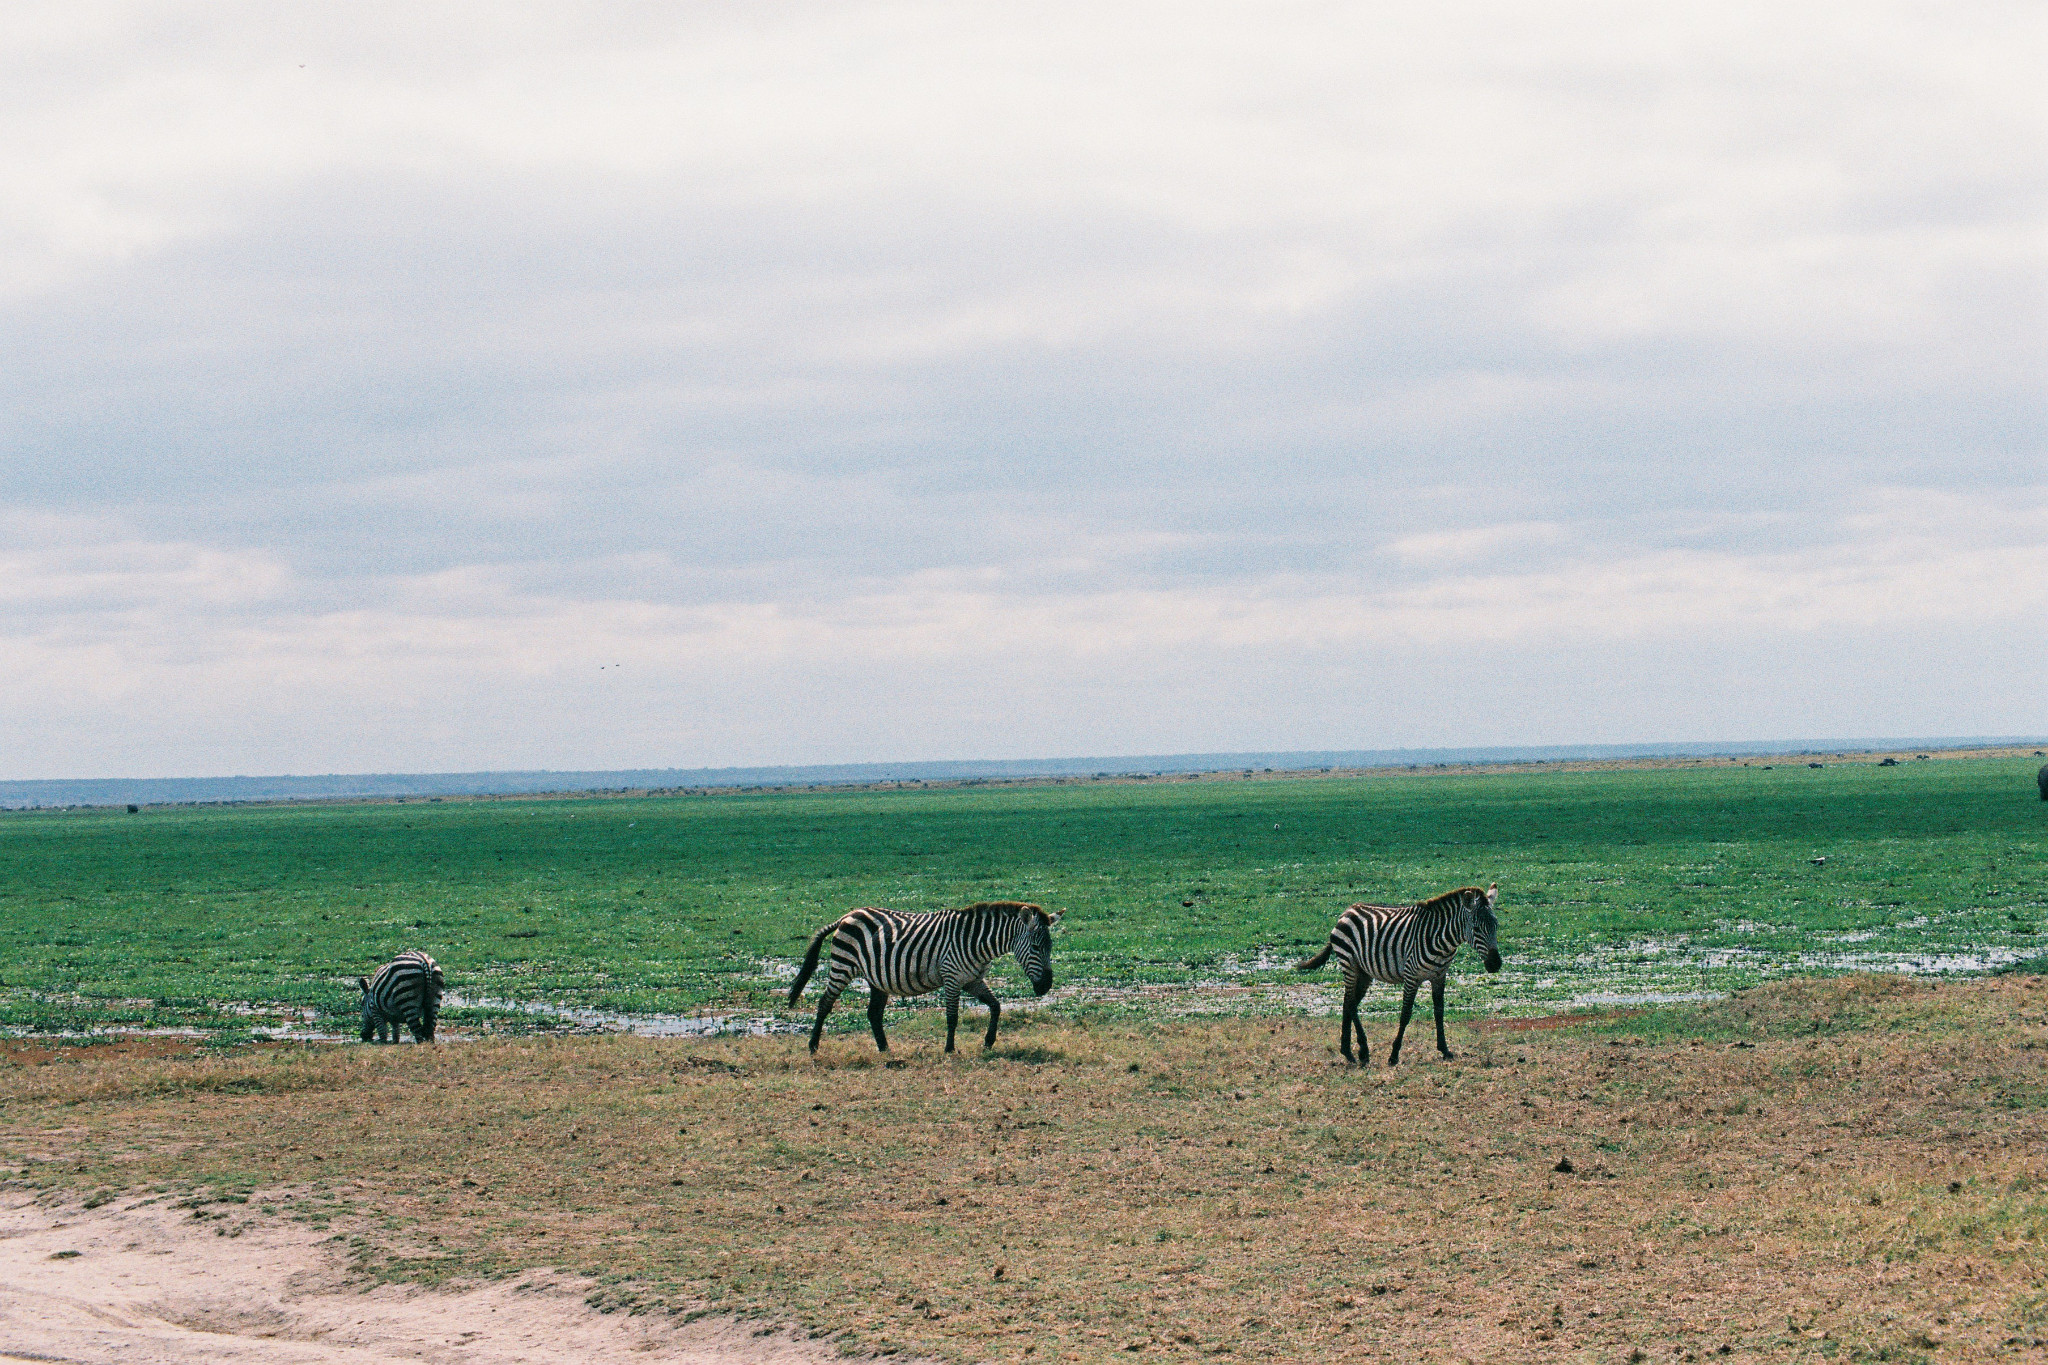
point(35, 793)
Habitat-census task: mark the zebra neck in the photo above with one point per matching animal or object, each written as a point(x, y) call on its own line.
point(1447, 922)
point(990, 934)
point(999, 930)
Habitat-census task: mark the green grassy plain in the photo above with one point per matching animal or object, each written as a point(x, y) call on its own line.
point(1696, 879)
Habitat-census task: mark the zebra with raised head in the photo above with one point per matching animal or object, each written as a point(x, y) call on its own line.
point(1408, 945)
point(946, 950)
point(406, 990)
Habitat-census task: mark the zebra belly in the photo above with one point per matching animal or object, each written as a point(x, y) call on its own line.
point(902, 959)
point(910, 954)
point(1392, 950)
point(907, 974)
point(902, 981)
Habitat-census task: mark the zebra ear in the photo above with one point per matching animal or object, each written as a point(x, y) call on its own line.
point(1054, 918)
point(1492, 894)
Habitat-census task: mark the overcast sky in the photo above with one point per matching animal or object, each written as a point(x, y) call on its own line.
point(417, 387)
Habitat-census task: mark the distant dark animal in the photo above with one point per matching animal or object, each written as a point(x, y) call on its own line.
point(406, 990)
point(1408, 945)
point(947, 951)
point(2042, 778)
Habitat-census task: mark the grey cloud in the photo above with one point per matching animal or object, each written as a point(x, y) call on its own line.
point(849, 303)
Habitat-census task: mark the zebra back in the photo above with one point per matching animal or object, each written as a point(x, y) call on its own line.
point(1412, 943)
point(406, 990)
point(911, 954)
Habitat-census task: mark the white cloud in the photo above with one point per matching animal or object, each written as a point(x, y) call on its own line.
point(156, 630)
point(376, 371)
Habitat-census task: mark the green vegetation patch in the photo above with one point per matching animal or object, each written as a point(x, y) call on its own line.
point(1183, 895)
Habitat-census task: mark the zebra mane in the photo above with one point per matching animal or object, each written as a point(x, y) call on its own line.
point(1449, 898)
point(992, 909)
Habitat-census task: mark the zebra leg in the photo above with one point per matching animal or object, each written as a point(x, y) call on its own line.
point(1436, 998)
point(952, 1014)
point(1354, 991)
point(825, 1004)
point(1407, 1009)
point(877, 1002)
point(980, 991)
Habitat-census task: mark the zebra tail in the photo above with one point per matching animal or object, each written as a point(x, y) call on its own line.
point(811, 961)
point(363, 984)
point(1309, 964)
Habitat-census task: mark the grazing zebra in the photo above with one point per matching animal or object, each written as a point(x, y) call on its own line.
point(406, 990)
point(948, 950)
point(1407, 944)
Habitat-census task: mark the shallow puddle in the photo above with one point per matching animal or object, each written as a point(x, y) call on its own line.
point(578, 1019)
point(1654, 970)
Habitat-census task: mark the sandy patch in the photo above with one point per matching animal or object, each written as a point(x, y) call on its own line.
point(142, 1282)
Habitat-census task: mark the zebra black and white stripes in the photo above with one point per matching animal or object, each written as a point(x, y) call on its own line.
point(947, 950)
point(406, 990)
point(1407, 945)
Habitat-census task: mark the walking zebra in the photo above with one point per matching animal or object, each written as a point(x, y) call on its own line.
point(947, 950)
point(1408, 944)
point(406, 990)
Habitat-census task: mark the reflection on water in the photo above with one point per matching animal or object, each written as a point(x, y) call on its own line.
point(581, 1019)
point(1651, 970)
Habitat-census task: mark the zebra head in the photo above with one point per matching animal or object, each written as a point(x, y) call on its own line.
point(1034, 945)
point(1485, 932)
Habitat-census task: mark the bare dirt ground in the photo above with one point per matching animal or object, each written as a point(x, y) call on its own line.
point(139, 1282)
point(1851, 1169)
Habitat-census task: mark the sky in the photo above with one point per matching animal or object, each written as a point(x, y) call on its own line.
point(505, 386)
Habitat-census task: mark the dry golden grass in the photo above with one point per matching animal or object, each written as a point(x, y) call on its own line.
point(1855, 1169)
